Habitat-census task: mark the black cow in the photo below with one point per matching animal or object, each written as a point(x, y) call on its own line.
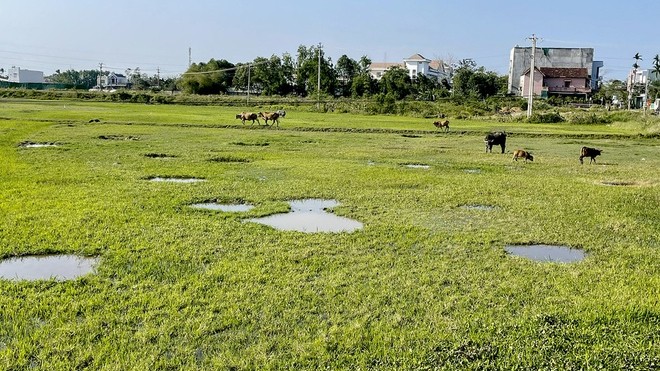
point(497, 138)
point(589, 152)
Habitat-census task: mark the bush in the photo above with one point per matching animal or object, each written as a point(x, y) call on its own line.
point(546, 118)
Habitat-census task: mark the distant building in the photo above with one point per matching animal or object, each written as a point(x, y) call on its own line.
point(112, 81)
point(19, 75)
point(637, 81)
point(416, 65)
point(570, 58)
point(557, 81)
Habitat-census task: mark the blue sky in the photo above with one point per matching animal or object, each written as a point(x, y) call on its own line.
point(150, 34)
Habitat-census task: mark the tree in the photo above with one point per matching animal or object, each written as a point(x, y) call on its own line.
point(82, 79)
point(307, 71)
point(396, 82)
point(214, 77)
point(347, 69)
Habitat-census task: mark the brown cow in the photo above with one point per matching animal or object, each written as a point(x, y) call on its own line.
point(519, 153)
point(244, 116)
point(442, 124)
point(273, 116)
point(589, 152)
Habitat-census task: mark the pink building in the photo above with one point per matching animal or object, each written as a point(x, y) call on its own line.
point(557, 81)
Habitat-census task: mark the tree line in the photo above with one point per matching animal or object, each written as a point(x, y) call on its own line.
point(298, 75)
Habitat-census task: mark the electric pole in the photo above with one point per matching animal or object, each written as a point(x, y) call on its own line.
point(100, 75)
point(530, 98)
point(189, 56)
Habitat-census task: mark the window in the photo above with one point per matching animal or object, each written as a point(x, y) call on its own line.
point(567, 83)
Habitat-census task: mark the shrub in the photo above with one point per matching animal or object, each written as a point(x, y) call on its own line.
point(546, 118)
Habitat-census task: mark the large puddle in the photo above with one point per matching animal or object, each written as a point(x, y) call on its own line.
point(45, 267)
point(546, 253)
point(231, 208)
point(310, 216)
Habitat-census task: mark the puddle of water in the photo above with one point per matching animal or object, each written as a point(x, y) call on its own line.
point(309, 216)
point(479, 207)
point(472, 171)
point(177, 180)
point(418, 166)
point(45, 267)
point(37, 145)
point(231, 208)
point(547, 253)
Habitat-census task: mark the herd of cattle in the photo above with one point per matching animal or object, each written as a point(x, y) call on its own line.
point(499, 139)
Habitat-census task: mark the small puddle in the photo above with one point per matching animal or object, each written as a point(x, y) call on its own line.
point(547, 253)
point(45, 267)
point(472, 171)
point(177, 180)
point(479, 207)
point(230, 208)
point(309, 216)
point(37, 145)
point(418, 166)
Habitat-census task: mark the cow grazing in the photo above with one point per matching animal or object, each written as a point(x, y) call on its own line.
point(273, 116)
point(497, 138)
point(589, 152)
point(519, 153)
point(245, 116)
point(442, 124)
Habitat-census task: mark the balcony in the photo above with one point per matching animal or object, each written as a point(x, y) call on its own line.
point(569, 90)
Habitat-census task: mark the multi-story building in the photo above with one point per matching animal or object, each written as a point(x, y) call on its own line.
point(23, 76)
point(568, 59)
point(416, 65)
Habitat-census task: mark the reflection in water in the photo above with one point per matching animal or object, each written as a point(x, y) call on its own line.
point(309, 216)
point(177, 180)
point(59, 267)
point(547, 253)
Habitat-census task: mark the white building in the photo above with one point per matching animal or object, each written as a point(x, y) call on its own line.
point(16, 74)
point(416, 65)
point(112, 81)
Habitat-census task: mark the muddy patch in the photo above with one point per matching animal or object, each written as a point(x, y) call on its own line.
point(45, 267)
point(546, 253)
point(176, 179)
point(229, 208)
point(310, 216)
point(38, 144)
point(229, 159)
point(158, 155)
point(255, 144)
point(618, 183)
point(118, 137)
point(411, 136)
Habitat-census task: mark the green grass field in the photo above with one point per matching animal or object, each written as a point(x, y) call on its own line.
point(426, 284)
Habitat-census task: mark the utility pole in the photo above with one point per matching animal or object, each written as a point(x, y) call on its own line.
point(318, 85)
point(101, 75)
point(189, 57)
point(530, 98)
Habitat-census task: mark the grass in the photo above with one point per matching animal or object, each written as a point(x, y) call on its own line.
point(426, 284)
